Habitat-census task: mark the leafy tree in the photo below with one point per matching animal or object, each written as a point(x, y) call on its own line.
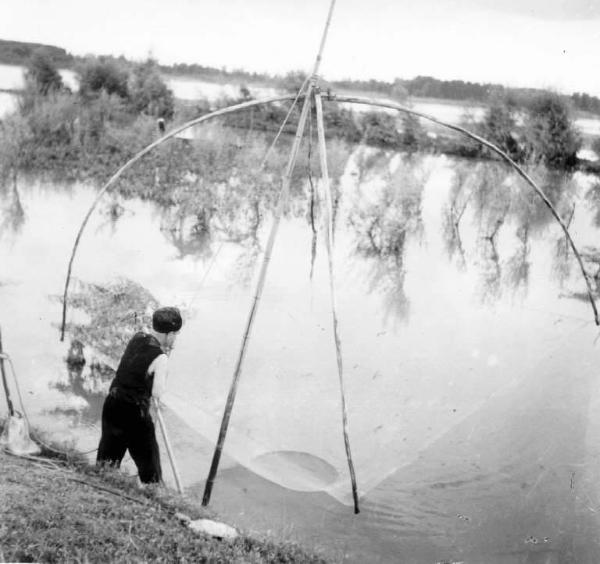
point(14, 137)
point(42, 74)
point(398, 91)
point(97, 74)
point(293, 81)
point(340, 122)
point(245, 94)
point(413, 134)
point(379, 129)
point(585, 102)
point(148, 92)
point(550, 135)
point(499, 126)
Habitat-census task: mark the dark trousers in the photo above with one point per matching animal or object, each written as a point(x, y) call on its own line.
point(127, 426)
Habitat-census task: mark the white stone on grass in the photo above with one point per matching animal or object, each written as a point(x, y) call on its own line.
point(213, 528)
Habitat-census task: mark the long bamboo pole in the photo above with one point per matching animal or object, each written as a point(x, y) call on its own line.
point(283, 197)
point(336, 335)
point(163, 429)
point(11, 409)
point(133, 160)
point(498, 151)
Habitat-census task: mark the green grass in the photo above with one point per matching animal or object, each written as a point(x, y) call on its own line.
point(59, 509)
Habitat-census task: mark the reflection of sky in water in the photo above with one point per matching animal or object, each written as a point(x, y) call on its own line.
point(397, 291)
point(431, 334)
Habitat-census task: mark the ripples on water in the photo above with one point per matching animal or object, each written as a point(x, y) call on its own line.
point(469, 355)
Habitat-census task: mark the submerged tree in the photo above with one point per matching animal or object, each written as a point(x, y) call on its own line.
point(413, 134)
point(549, 133)
point(99, 74)
point(148, 92)
point(380, 129)
point(499, 126)
point(42, 74)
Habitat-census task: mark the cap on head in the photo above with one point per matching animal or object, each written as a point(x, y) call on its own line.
point(166, 319)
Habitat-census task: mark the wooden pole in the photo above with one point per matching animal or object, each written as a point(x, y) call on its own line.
point(133, 160)
point(283, 197)
point(328, 245)
point(163, 429)
point(498, 151)
point(11, 409)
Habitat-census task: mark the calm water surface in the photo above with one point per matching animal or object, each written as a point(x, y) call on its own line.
point(470, 356)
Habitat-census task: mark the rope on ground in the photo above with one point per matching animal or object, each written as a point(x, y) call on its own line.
point(50, 465)
point(109, 490)
point(46, 462)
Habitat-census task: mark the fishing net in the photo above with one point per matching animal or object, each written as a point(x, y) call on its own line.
point(415, 363)
point(467, 344)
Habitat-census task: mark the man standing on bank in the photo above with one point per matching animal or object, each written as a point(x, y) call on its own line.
point(141, 377)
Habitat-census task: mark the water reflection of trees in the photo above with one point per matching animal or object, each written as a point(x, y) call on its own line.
point(112, 213)
point(501, 206)
point(13, 214)
point(384, 218)
point(491, 202)
point(531, 216)
point(89, 383)
point(590, 255)
point(230, 188)
point(561, 266)
point(107, 317)
point(517, 266)
point(452, 214)
point(112, 313)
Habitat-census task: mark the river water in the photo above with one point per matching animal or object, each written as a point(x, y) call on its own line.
point(470, 355)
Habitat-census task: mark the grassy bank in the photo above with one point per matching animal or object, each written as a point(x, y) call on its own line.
point(54, 510)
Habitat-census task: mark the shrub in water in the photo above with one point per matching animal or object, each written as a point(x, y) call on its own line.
point(380, 129)
point(148, 92)
point(549, 133)
point(42, 73)
point(102, 74)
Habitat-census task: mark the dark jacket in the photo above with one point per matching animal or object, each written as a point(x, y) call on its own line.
point(132, 382)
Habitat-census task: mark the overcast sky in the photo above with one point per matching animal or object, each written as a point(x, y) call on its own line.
point(544, 43)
